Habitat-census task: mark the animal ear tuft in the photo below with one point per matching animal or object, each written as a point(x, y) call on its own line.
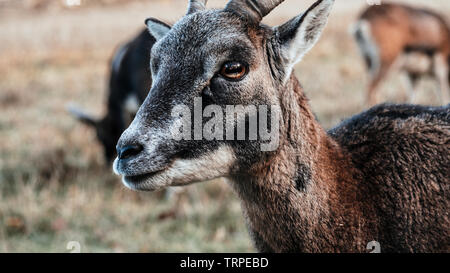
point(301, 33)
point(157, 28)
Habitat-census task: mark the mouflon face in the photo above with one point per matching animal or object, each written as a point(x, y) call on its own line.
point(213, 109)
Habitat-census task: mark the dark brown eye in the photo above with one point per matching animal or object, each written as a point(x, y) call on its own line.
point(233, 71)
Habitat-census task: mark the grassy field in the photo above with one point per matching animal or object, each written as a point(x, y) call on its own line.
point(54, 185)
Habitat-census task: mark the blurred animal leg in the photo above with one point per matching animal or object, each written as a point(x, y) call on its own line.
point(410, 82)
point(441, 72)
point(362, 32)
point(376, 78)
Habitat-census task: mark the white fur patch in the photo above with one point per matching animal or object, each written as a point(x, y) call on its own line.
point(187, 171)
point(416, 62)
point(115, 163)
point(132, 104)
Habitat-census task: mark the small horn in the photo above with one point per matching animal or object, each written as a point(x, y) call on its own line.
point(254, 9)
point(81, 116)
point(196, 5)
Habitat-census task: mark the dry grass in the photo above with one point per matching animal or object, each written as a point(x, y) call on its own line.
point(54, 187)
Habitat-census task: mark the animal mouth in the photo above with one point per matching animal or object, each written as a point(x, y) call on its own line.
point(148, 180)
point(145, 181)
point(138, 179)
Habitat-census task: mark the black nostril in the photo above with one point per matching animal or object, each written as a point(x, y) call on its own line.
point(129, 151)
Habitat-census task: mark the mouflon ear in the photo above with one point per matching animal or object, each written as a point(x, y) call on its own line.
point(157, 28)
point(301, 33)
point(196, 5)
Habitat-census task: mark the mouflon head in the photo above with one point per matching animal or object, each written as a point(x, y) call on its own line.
point(214, 106)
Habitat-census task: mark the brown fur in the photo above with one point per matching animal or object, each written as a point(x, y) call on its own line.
point(398, 29)
point(380, 176)
point(358, 191)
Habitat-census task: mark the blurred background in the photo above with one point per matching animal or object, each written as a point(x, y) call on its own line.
point(55, 186)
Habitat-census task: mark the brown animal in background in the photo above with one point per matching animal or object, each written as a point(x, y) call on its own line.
point(413, 40)
point(381, 176)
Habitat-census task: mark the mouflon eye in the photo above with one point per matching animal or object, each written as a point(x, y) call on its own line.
point(233, 71)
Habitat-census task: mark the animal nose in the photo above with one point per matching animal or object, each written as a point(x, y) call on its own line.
point(129, 151)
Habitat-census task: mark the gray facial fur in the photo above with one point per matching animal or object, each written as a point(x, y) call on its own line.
point(185, 65)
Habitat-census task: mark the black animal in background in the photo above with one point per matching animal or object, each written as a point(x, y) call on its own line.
point(129, 83)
